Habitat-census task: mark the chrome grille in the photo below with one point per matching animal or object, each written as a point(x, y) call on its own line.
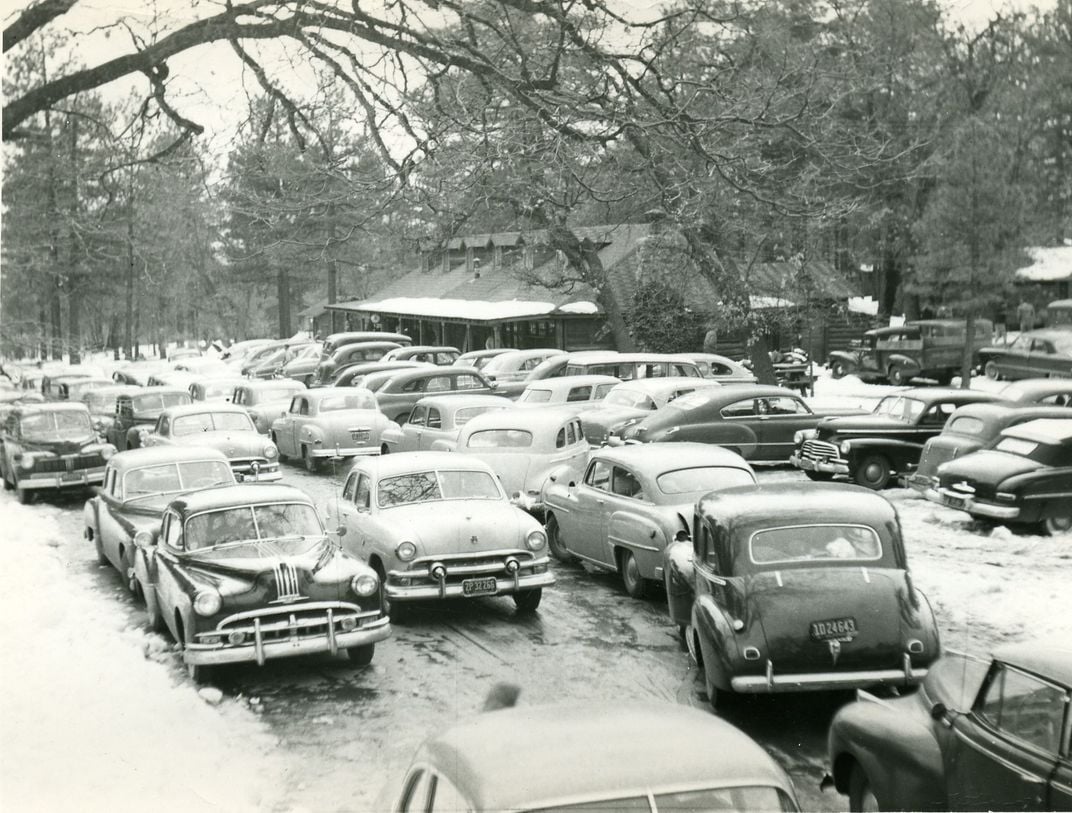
point(287, 584)
point(818, 450)
point(313, 620)
point(461, 567)
point(69, 463)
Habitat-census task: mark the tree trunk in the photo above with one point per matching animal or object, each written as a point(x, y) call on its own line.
point(283, 293)
point(130, 333)
point(969, 350)
point(333, 265)
point(74, 327)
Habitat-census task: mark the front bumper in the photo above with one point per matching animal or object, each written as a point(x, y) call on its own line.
point(982, 508)
point(262, 473)
point(271, 634)
point(923, 485)
point(822, 681)
point(504, 585)
point(828, 466)
point(347, 451)
point(79, 478)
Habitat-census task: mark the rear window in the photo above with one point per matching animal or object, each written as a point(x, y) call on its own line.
point(694, 399)
point(531, 396)
point(337, 402)
point(966, 426)
point(463, 416)
point(500, 438)
point(1024, 448)
point(815, 543)
point(703, 479)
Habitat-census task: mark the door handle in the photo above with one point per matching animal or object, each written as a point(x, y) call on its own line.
point(600, 502)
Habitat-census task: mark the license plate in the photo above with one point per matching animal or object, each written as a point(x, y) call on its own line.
point(74, 477)
point(480, 587)
point(359, 435)
point(953, 502)
point(839, 629)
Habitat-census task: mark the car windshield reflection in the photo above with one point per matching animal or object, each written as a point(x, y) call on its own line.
point(251, 523)
point(171, 478)
point(55, 425)
point(431, 486)
point(900, 408)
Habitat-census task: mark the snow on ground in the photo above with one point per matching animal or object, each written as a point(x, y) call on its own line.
point(91, 718)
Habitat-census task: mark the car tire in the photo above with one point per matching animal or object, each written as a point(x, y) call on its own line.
point(873, 472)
point(839, 369)
point(896, 376)
point(990, 369)
point(8, 485)
point(554, 540)
point(1057, 525)
point(527, 601)
point(635, 585)
point(361, 656)
point(861, 794)
point(819, 476)
point(310, 462)
point(25, 495)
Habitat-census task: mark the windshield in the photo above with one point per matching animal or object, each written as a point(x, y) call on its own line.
point(155, 402)
point(815, 543)
point(965, 426)
point(430, 486)
point(170, 478)
point(702, 479)
point(246, 523)
point(277, 394)
point(900, 408)
point(100, 401)
point(629, 398)
point(56, 425)
point(742, 798)
point(361, 400)
point(531, 396)
point(500, 439)
point(212, 421)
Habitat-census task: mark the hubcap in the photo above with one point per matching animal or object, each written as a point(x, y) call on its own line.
point(873, 472)
point(632, 572)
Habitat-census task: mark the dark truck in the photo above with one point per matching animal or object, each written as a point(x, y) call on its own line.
point(928, 348)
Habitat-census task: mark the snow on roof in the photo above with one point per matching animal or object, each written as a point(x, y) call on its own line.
point(471, 309)
point(1053, 263)
point(863, 304)
point(579, 307)
point(761, 302)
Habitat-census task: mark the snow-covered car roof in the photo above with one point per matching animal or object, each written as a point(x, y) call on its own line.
point(408, 462)
point(156, 455)
point(657, 387)
point(1049, 658)
point(1053, 431)
point(254, 384)
point(658, 457)
point(241, 494)
point(798, 503)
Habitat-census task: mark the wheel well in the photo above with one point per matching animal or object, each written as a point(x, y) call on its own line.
point(697, 648)
point(180, 631)
point(377, 565)
point(843, 765)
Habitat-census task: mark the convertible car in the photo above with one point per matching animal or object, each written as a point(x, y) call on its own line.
point(437, 525)
point(439, 418)
point(330, 422)
point(756, 421)
point(797, 587)
point(223, 426)
point(246, 573)
point(979, 735)
point(138, 485)
point(632, 502)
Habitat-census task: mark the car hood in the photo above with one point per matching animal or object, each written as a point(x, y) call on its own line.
point(230, 568)
point(786, 602)
point(451, 526)
point(986, 466)
point(230, 443)
point(87, 444)
point(858, 424)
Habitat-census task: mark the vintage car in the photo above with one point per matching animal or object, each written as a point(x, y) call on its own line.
point(1034, 354)
point(73, 389)
point(872, 450)
point(438, 525)
point(136, 373)
point(352, 376)
point(246, 573)
point(440, 356)
point(348, 355)
point(265, 400)
point(515, 365)
point(971, 428)
point(580, 391)
point(1049, 391)
point(928, 348)
point(438, 417)
point(257, 356)
point(273, 365)
point(176, 379)
point(593, 757)
point(1024, 478)
point(797, 587)
point(54, 385)
point(525, 447)
point(239, 350)
point(222, 426)
point(215, 389)
point(478, 358)
point(632, 401)
point(632, 502)
point(330, 422)
point(302, 367)
point(102, 401)
point(337, 340)
point(722, 369)
point(756, 421)
point(139, 410)
point(177, 353)
point(402, 390)
point(978, 735)
point(203, 367)
point(50, 446)
point(138, 485)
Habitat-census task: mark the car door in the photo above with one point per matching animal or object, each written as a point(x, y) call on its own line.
point(780, 417)
point(110, 527)
point(286, 437)
point(353, 512)
point(433, 429)
point(583, 528)
point(734, 426)
point(1005, 750)
point(1015, 361)
point(626, 522)
point(413, 430)
point(164, 570)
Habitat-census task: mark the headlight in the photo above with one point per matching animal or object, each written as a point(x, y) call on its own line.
point(107, 451)
point(270, 451)
point(364, 584)
point(845, 447)
point(27, 460)
point(143, 539)
point(406, 551)
point(207, 602)
point(536, 539)
point(803, 435)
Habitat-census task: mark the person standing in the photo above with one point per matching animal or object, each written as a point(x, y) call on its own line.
point(1025, 315)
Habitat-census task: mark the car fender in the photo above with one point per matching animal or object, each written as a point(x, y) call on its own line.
point(642, 535)
point(679, 573)
point(724, 433)
point(899, 452)
point(444, 445)
point(715, 637)
point(906, 362)
point(897, 750)
point(391, 434)
point(89, 517)
point(133, 437)
point(311, 435)
point(847, 356)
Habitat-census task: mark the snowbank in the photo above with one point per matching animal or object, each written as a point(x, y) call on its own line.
point(90, 720)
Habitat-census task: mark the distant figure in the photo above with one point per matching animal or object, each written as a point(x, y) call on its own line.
point(1025, 314)
point(710, 341)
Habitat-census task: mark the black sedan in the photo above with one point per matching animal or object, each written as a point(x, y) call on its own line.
point(1025, 477)
point(798, 587)
point(755, 421)
point(977, 736)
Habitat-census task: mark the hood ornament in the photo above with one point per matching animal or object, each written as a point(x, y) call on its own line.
point(835, 651)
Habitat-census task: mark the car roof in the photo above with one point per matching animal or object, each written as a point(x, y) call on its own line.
point(406, 462)
point(200, 407)
point(779, 504)
point(272, 383)
point(521, 418)
point(999, 410)
point(1043, 430)
point(241, 494)
point(429, 348)
point(932, 394)
point(1058, 332)
point(666, 384)
point(1046, 657)
point(610, 356)
point(319, 393)
point(154, 455)
point(666, 456)
point(160, 391)
point(1038, 386)
point(409, 374)
point(740, 392)
point(51, 406)
point(599, 750)
point(568, 381)
point(460, 401)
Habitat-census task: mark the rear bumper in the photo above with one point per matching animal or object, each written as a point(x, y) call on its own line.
point(258, 650)
point(827, 466)
point(982, 508)
point(73, 479)
point(820, 681)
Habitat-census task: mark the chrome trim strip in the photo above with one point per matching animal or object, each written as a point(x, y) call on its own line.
point(312, 605)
